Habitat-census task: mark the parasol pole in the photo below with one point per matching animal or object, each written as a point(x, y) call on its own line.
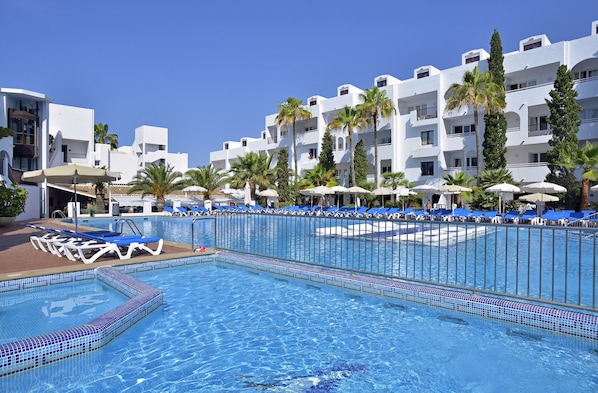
point(75, 209)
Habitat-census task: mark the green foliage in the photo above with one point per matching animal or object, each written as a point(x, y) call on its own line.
point(283, 176)
point(289, 112)
point(482, 200)
point(564, 121)
point(12, 200)
point(326, 158)
point(253, 168)
point(585, 158)
point(375, 104)
point(101, 135)
point(4, 132)
point(349, 119)
point(361, 164)
point(207, 177)
point(480, 91)
point(158, 180)
point(490, 177)
point(393, 180)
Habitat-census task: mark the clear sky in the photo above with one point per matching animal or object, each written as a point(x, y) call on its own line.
point(210, 71)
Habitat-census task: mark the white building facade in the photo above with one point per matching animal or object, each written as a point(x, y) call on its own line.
point(49, 135)
point(425, 141)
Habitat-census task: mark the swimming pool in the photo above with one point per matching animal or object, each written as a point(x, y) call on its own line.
point(53, 308)
point(225, 328)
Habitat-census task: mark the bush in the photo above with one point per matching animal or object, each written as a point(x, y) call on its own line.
point(12, 200)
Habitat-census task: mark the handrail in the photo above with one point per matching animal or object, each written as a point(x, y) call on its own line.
point(59, 213)
point(193, 231)
point(132, 226)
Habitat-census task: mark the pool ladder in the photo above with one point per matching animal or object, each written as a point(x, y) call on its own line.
point(131, 224)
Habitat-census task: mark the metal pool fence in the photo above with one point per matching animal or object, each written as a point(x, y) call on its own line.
point(555, 265)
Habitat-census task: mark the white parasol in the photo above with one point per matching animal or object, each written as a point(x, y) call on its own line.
point(71, 174)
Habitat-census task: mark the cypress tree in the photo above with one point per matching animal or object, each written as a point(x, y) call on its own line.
point(495, 122)
point(283, 176)
point(361, 163)
point(564, 122)
point(326, 158)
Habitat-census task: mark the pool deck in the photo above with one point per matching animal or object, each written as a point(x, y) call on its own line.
point(18, 258)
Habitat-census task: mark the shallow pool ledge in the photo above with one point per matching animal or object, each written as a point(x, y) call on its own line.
point(42, 350)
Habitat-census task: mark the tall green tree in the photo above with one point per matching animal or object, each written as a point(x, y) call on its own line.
point(326, 158)
point(318, 176)
point(207, 177)
point(564, 122)
point(101, 135)
point(495, 121)
point(289, 112)
point(480, 92)
point(585, 158)
point(482, 199)
point(283, 175)
point(361, 166)
point(158, 180)
point(349, 119)
point(375, 105)
point(253, 168)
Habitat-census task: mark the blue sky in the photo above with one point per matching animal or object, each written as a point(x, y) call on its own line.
point(211, 71)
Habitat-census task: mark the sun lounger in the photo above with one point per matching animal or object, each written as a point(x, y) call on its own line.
point(89, 248)
point(511, 217)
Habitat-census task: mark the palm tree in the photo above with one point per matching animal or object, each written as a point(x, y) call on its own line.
point(375, 105)
point(207, 177)
point(490, 177)
point(479, 91)
point(460, 179)
point(158, 180)
point(349, 119)
point(253, 168)
point(289, 112)
point(100, 133)
point(393, 180)
point(318, 176)
point(585, 158)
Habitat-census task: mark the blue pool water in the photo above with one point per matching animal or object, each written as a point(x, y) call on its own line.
point(228, 329)
point(38, 311)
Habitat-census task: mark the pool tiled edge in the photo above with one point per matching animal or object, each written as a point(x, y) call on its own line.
point(571, 323)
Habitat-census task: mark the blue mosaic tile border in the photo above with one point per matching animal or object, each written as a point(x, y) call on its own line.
point(41, 350)
point(555, 320)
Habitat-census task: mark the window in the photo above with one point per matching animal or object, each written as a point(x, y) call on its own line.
point(472, 59)
point(385, 166)
point(585, 74)
point(427, 137)
point(538, 123)
point(588, 114)
point(312, 154)
point(423, 74)
point(522, 85)
point(532, 45)
point(457, 163)
point(244, 143)
point(161, 147)
point(427, 168)
point(472, 162)
point(313, 102)
point(386, 140)
point(226, 146)
point(341, 144)
point(65, 150)
point(344, 92)
point(466, 129)
point(537, 157)
point(381, 83)
point(96, 163)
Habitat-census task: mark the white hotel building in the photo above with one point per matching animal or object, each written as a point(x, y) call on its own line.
point(425, 141)
point(49, 135)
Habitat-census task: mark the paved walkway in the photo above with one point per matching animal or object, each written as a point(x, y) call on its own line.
point(19, 259)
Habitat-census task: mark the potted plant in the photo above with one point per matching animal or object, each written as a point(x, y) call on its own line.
point(12, 202)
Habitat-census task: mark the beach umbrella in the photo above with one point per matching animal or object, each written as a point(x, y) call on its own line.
point(594, 188)
point(381, 191)
point(501, 189)
point(71, 174)
point(355, 190)
point(538, 197)
point(452, 189)
point(544, 187)
point(268, 193)
point(194, 189)
point(338, 189)
point(402, 191)
point(425, 189)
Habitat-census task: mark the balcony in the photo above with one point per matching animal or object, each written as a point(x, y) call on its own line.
point(423, 117)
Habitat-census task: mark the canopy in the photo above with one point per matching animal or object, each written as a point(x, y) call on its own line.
point(268, 193)
point(502, 188)
point(425, 189)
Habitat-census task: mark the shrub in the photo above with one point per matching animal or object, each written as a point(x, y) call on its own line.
point(12, 200)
